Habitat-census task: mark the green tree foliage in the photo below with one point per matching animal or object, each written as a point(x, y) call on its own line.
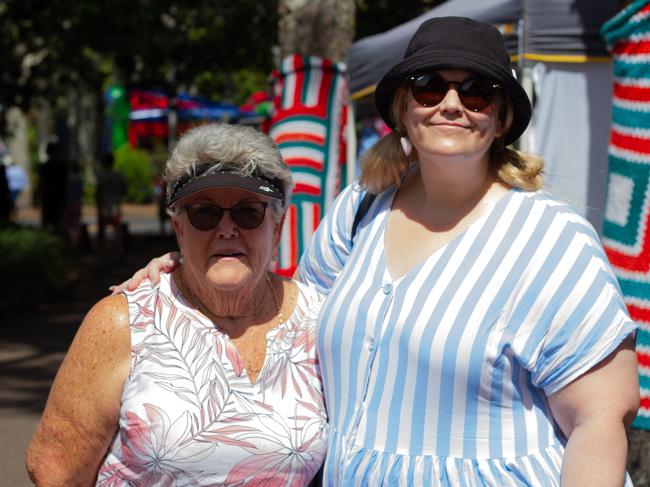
point(137, 168)
point(376, 16)
point(216, 48)
point(52, 47)
point(39, 263)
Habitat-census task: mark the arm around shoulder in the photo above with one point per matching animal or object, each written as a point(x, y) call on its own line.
point(82, 411)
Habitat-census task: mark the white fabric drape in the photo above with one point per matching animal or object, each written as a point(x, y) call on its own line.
point(570, 130)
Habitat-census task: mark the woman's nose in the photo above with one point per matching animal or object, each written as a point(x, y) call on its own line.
point(227, 227)
point(451, 102)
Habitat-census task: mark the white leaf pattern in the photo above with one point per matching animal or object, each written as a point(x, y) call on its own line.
point(188, 418)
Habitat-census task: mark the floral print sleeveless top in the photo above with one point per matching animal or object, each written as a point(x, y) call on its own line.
point(189, 414)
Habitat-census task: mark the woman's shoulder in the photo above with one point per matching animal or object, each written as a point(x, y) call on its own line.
point(306, 292)
point(354, 193)
point(104, 336)
point(561, 209)
point(108, 315)
point(146, 295)
point(308, 300)
point(146, 287)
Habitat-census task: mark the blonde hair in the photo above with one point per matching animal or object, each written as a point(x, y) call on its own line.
point(384, 164)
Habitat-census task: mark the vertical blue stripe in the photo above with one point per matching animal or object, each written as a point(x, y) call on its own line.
point(545, 427)
point(540, 475)
point(377, 398)
point(428, 468)
point(477, 353)
point(519, 376)
point(368, 460)
point(555, 303)
point(601, 328)
point(422, 372)
point(397, 395)
point(581, 309)
point(450, 349)
point(337, 324)
point(504, 293)
point(542, 277)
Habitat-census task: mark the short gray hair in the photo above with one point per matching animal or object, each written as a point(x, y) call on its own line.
point(236, 148)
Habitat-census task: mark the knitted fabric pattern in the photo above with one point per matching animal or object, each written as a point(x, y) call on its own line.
point(310, 105)
point(626, 231)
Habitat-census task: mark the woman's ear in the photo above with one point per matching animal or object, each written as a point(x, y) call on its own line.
point(504, 121)
point(178, 228)
point(278, 231)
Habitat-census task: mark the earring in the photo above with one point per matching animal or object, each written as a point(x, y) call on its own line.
point(181, 261)
point(407, 147)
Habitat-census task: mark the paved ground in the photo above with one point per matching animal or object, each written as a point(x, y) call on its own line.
point(34, 338)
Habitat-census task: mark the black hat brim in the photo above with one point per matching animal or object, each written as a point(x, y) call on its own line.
point(266, 187)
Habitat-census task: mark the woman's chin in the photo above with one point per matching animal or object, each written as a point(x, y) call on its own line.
point(229, 276)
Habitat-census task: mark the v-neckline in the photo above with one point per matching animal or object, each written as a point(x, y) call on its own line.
point(205, 320)
point(499, 202)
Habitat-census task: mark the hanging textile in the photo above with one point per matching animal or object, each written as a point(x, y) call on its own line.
point(627, 213)
point(310, 103)
point(195, 110)
point(148, 116)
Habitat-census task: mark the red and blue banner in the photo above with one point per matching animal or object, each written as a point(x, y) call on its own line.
point(149, 114)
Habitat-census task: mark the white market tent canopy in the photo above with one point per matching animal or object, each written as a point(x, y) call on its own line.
point(565, 66)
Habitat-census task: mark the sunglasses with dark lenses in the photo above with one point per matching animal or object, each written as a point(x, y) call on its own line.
point(476, 94)
point(247, 215)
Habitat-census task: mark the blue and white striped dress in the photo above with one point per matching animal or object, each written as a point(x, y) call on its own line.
point(441, 376)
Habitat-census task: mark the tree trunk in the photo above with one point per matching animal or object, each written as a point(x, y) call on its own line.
point(322, 28)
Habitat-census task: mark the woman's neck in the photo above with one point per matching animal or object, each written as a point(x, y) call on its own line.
point(454, 182)
point(440, 197)
point(231, 310)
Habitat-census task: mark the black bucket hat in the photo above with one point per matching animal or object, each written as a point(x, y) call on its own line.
point(457, 43)
point(207, 176)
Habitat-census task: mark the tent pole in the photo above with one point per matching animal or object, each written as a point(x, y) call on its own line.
point(525, 72)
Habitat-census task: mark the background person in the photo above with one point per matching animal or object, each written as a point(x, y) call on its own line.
point(5, 197)
point(16, 179)
point(74, 202)
point(472, 332)
point(210, 377)
point(111, 188)
point(52, 183)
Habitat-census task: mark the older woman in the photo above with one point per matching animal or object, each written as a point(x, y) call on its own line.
point(209, 377)
point(473, 332)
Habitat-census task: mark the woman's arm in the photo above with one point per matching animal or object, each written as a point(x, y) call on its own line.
point(330, 246)
point(82, 410)
point(593, 412)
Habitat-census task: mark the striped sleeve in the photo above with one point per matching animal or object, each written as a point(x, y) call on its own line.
point(580, 316)
point(331, 245)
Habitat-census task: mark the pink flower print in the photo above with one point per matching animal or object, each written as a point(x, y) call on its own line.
point(273, 469)
point(234, 357)
point(158, 447)
point(293, 460)
point(290, 363)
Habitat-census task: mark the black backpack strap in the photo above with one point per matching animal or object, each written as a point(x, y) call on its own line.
point(366, 202)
